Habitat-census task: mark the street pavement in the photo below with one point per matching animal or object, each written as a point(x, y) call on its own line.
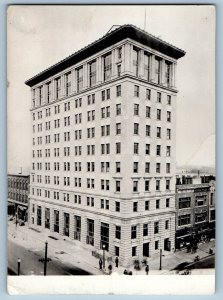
point(74, 254)
point(30, 264)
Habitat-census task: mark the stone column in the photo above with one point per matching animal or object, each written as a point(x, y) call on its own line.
point(141, 64)
point(99, 69)
point(152, 68)
point(97, 234)
point(163, 69)
point(85, 76)
point(173, 75)
point(73, 81)
point(61, 222)
point(126, 59)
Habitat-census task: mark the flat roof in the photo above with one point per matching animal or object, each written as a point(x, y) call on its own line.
point(115, 36)
point(18, 175)
point(192, 186)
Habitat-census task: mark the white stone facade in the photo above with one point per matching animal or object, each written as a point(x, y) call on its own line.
point(127, 90)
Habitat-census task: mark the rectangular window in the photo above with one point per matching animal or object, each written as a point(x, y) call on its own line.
point(135, 62)
point(168, 99)
point(107, 66)
point(146, 185)
point(168, 66)
point(136, 109)
point(147, 130)
point(134, 251)
point(168, 118)
point(135, 167)
point(118, 128)
point(135, 206)
point(136, 128)
point(168, 168)
point(58, 87)
point(118, 109)
point(136, 148)
point(156, 245)
point(118, 232)
point(168, 151)
point(157, 203)
point(184, 220)
point(92, 73)
point(147, 205)
point(158, 132)
point(79, 73)
point(157, 167)
point(168, 132)
point(147, 149)
point(156, 227)
point(117, 206)
point(118, 148)
point(118, 167)
point(118, 90)
point(118, 185)
point(157, 70)
point(158, 114)
point(136, 90)
point(135, 186)
point(119, 70)
point(133, 232)
point(167, 202)
point(184, 202)
point(147, 167)
point(167, 224)
point(148, 111)
point(148, 94)
point(145, 230)
point(157, 185)
point(167, 184)
point(68, 83)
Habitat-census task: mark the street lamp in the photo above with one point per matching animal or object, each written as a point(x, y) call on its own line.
point(103, 247)
point(18, 262)
point(45, 260)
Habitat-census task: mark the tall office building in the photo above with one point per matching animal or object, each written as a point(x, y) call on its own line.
point(103, 145)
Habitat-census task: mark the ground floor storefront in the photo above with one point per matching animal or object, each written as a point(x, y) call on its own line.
point(129, 239)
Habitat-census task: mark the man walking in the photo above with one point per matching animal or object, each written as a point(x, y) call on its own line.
point(100, 264)
point(147, 269)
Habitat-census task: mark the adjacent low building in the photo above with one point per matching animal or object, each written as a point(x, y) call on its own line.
point(195, 212)
point(18, 195)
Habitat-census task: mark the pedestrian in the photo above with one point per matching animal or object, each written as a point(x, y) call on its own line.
point(147, 269)
point(116, 262)
point(100, 264)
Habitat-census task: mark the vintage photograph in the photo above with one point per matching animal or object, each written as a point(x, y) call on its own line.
point(111, 142)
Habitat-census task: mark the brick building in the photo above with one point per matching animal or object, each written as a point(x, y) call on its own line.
point(103, 145)
point(18, 195)
point(195, 212)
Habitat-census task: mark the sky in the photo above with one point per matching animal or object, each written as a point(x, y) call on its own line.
point(40, 36)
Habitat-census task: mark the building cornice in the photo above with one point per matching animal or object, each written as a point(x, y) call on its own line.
point(115, 36)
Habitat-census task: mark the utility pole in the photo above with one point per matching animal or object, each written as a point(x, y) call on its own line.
point(160, 259)
point(45, 260)
point(18, 262)
point(103, 247)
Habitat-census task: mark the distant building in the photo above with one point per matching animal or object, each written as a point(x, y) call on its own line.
point(103, 145)
point(195, 212)
point(18, 195)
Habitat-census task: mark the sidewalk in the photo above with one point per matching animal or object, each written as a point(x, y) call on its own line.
point(74, 253)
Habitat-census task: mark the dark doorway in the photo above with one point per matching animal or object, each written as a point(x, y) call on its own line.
point(146, 249)
point(167, 244)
